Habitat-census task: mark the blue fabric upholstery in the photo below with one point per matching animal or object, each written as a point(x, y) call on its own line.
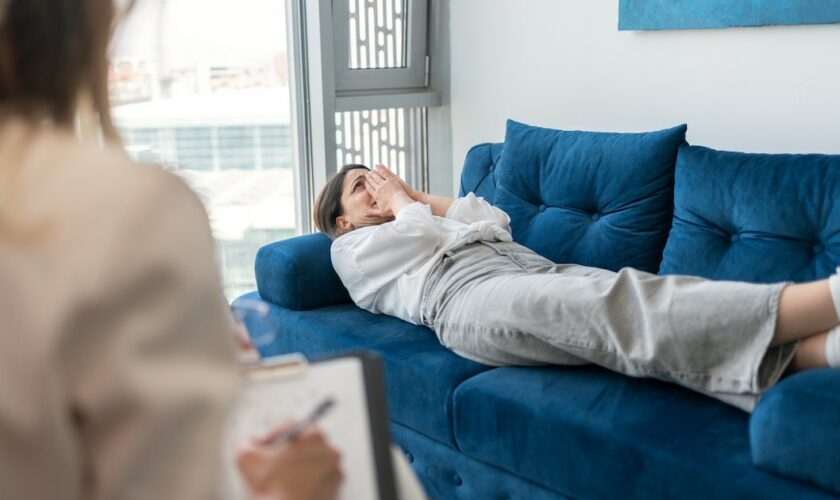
point(795, 429)
point(420, 373)
point(479, 173)
point(754, 217)
point(477, 432)
point(590, 433)
point(592, 198)
point(448, 474)
point(297, 274)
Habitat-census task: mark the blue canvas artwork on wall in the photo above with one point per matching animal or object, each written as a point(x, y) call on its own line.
point(710, 14)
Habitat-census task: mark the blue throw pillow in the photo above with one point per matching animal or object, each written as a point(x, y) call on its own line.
point(297, 274)
point(762, 218)
point(593, 198)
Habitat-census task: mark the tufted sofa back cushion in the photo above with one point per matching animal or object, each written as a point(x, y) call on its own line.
point(754, 217)
point(593, 198)
point(479, 173)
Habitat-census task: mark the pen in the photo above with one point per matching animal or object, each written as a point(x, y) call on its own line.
point(304, 423)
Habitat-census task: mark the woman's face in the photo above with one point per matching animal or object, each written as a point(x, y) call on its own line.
point(357, 204)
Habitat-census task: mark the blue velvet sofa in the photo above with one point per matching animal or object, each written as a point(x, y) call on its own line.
point(646, 200)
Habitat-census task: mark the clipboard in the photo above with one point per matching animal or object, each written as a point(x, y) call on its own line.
point(288, 387)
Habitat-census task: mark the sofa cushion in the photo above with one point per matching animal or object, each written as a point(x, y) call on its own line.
point(450, 475)
point(795, 429)
point(298, 274)
point(590, 433)
point(754, 217)
point(420, 373)
point(479, 172)
point(593, 198)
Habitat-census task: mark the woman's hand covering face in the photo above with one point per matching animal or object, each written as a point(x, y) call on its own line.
point(388, 191)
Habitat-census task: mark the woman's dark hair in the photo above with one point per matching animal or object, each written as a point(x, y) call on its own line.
point(51, 53)
point(328, 205)
point(53, 57)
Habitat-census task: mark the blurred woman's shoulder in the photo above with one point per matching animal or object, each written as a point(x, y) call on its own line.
point(50, 175)
point(94, 214)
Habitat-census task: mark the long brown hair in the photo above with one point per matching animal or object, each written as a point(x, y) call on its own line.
point(52, 52)
point(328, 205)
point(53, 56)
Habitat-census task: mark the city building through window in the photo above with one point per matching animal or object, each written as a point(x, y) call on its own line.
point(207, 96)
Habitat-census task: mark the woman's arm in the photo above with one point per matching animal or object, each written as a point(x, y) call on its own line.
point(468, 209)
point(438, 204)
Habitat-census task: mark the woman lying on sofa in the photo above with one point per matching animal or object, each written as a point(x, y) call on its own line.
point(451, 265)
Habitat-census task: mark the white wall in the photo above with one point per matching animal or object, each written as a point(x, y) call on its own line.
point(564, 64)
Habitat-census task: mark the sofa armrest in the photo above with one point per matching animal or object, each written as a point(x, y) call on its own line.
point(297, 274)
point(795, 429)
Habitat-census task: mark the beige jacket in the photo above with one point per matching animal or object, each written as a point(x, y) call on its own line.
point(116, 369)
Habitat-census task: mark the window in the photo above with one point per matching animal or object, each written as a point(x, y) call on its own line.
point(275, 146)
point(372, 86)
point(193, 148)
point(202, 86)
point(237, 148)
point(392, 136)
point(380, 44)
point(144, 144)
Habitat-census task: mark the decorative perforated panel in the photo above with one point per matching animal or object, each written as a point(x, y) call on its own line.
point(393, 136)
point(377, 34)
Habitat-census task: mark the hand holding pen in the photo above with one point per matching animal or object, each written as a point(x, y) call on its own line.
point(292, 462)
point(303, 424)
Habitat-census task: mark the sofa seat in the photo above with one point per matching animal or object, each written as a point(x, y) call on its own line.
point(448, 474)
point(419, 372)
point(587, 432)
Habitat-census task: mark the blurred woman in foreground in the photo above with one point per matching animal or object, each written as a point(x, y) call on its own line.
point(116, 360)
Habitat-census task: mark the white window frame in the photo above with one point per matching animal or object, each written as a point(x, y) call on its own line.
point(298, 66)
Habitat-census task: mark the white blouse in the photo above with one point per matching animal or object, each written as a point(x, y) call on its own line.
point(385, 267)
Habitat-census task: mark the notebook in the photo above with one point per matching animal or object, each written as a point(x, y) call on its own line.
point(288, 388)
